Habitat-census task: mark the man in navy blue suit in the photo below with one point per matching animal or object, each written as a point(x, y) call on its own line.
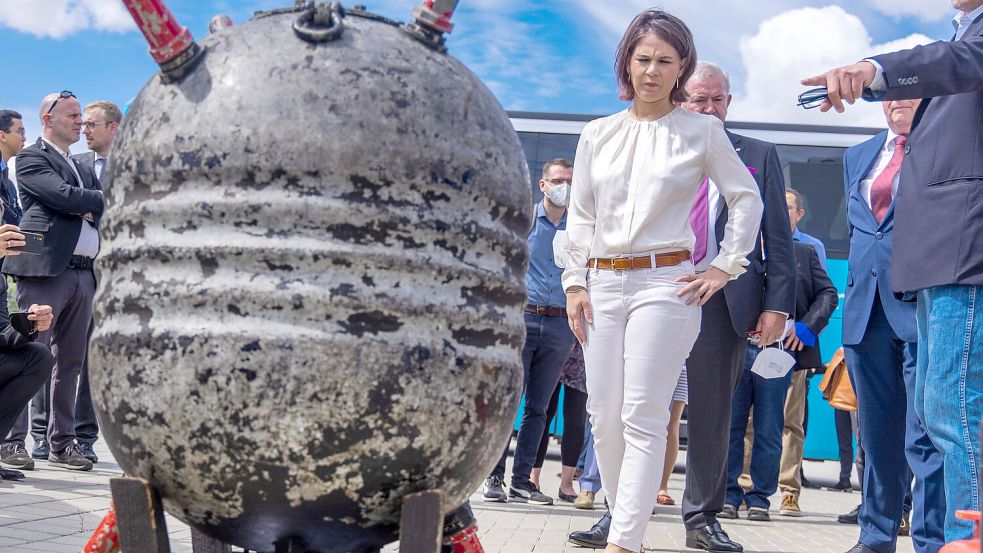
point(879, 339)
point(938, 214)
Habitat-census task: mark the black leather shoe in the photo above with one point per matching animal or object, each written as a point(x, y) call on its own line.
point(596, 537)
point(712, 538)
point(7, 474)
point(843, 485)
point(851, 517)
point(860, 548)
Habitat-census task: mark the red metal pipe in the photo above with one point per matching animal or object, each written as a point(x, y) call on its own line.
point(167, 38)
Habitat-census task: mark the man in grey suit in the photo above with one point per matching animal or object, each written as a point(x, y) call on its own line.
point(938, 219)
point(100, 122)
point(63, 203)
point(758, 302)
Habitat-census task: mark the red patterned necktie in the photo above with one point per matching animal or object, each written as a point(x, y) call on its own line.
point(698, 220)
point(881, 192)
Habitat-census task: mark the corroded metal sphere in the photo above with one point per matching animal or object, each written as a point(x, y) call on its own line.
point(310, 285)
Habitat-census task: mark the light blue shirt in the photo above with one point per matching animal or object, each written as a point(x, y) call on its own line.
point(962, 21)
point(799, 236)
point(543, 279)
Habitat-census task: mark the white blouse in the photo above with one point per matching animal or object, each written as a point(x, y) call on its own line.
point(635, 182)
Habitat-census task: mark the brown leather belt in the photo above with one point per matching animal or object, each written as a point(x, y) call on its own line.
point(639, 262)
point(545, 310)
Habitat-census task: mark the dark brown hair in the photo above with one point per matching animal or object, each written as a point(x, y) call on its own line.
point(670, 29)
point(559, 161)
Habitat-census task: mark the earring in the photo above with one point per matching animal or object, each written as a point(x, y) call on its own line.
point(677, 81)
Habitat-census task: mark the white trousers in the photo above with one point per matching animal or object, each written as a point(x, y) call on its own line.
point(635, 350)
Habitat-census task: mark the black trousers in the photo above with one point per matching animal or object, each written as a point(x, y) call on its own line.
point(574, 421)
point(86, 427)
point(22, 373)
point(714, 367)
point(844, 439)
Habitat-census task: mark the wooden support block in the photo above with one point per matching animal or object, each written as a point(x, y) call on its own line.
point(139, 516)
point(200, 543)
point(421, 525)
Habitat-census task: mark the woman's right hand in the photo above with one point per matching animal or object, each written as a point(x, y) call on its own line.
point(10, 237)
point(578, 311)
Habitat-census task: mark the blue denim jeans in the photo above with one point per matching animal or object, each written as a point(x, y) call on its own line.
point(590, 479)
point(949, 391)
point(548, 344)
point(767, 395)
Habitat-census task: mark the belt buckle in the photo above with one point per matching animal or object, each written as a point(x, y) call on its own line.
point(621, 263)
point(540, 310)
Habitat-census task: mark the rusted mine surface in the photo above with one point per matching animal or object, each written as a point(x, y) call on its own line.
point(310, 285)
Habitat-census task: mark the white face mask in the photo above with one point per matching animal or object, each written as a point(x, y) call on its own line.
point(559, 195)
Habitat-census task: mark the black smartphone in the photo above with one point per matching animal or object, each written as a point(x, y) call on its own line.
point(21, 323)
point(33, 243)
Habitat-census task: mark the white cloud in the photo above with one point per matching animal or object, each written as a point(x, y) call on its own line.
point(798, 44)
point(926, 10)
point(60, 18)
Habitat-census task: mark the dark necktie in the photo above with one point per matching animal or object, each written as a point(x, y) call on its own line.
point(881, 190)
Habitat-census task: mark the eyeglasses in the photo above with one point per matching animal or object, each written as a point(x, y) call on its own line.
point(812, 98)
point(93, 124)
point(64, 94)
point(556, 182)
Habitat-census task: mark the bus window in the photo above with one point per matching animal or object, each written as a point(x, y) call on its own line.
point(817, 172)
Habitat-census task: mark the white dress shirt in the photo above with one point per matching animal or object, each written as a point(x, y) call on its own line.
point(88, 241)
point(883, 158)
point(634, 184)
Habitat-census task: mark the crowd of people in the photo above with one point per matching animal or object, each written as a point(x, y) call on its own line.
point(54, 198)
point(676, 247)
point(666, 270)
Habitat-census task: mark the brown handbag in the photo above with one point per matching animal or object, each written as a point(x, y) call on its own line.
point(836, 386)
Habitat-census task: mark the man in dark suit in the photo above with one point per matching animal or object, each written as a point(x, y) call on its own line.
point(62, 202)
point(879, 339)
point(816, 299)
point(11, 141)
point(758, 302)
point(938, 217)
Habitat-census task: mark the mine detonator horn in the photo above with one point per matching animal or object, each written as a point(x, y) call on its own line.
point(171, 45)
point(432, 20)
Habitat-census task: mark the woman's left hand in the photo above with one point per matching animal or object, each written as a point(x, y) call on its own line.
point(702, 285)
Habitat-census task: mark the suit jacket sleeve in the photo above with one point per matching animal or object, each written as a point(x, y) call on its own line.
point(35, 177)
point(937, 69)
point(825, 298)
point(779, 293)
point(9, 338)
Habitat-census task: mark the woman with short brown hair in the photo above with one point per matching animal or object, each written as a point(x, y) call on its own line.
point(632, 294)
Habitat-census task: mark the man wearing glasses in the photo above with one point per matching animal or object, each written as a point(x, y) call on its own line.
point(62, 202)
point(549, 339)
point(99, 126)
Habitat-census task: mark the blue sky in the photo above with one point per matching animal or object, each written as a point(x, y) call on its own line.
point(540, 55)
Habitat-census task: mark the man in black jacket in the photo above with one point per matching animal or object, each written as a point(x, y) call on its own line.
point(63, 203)
point(24, 364)
point(11, 142)
point(758, 302)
